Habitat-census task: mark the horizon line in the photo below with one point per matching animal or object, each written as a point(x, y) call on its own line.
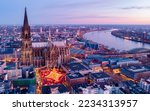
point(74, 24)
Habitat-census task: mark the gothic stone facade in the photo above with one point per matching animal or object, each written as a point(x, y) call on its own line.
point(41, 53)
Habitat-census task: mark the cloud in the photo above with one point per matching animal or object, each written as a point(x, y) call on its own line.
point(75, 4)
point(81, 4)
point(92, 17)
point(136, 7)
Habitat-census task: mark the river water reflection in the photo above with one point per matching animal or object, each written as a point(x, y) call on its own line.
point(105, 38)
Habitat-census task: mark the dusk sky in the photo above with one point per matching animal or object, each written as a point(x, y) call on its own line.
point(76, 11)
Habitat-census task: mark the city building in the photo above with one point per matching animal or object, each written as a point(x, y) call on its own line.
point(25, 85)
point(2, 66)
point(129, 87)
point(115, 69)
point(41, 53)
point(96, 62)
point(145, 84)
point(12, 71)
point(6, 52)
point(5, 86)
point(99, 77)
point(77, 67)
point(55, 89)
point(84, 88)
point(75, 78)
point(79, 53)
point(123, 61)
point(96, 59)
point(106, 88)
point(136, 72)
point(100, 88)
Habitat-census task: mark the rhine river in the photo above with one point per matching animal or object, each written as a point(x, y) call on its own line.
point(105, 38)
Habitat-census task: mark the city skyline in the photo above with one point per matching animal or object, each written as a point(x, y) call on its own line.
point(72, 59)
point(76, 12)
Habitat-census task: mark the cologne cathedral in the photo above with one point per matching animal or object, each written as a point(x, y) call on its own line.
point(40, 54)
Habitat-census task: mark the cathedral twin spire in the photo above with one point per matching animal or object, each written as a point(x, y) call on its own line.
point(26, 27)
point(26, 23)
point(26, 48)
